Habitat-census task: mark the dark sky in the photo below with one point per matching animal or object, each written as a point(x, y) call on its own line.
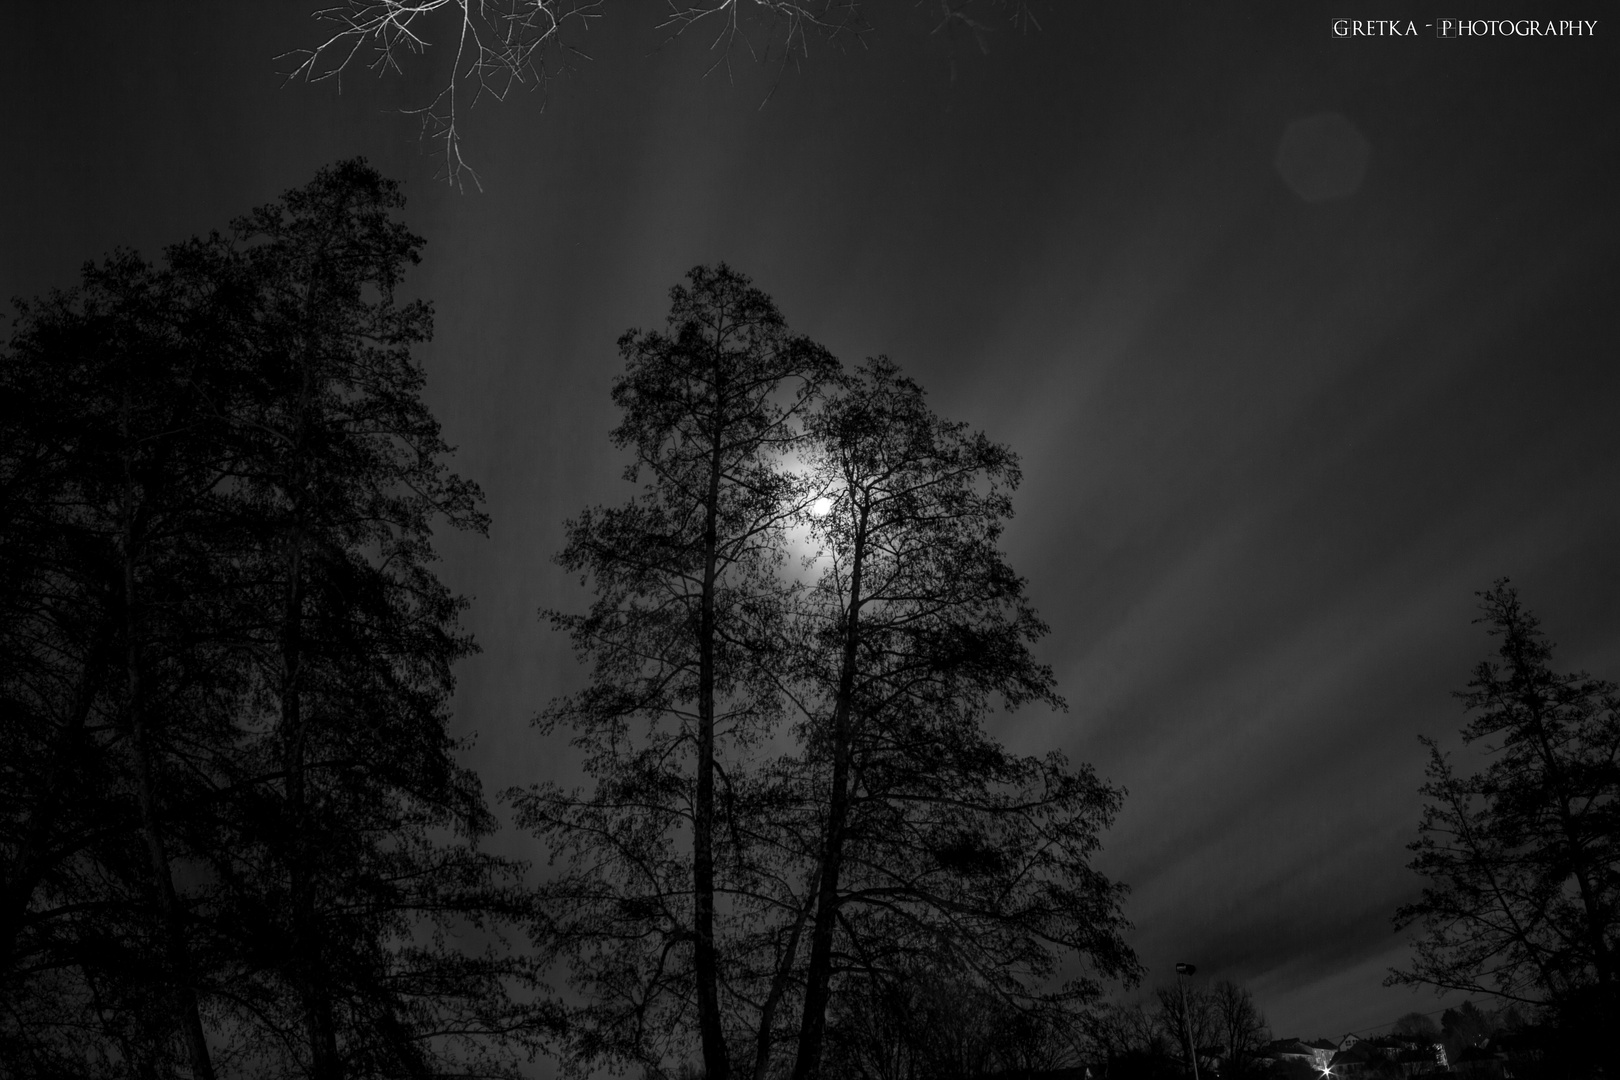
point(1273, 442)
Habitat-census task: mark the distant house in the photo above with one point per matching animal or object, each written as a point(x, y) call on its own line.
point(1324, 1052)
point(1288, 1050)
point(1387, 1056)
point(1359, 1057)
point(1408, 1055)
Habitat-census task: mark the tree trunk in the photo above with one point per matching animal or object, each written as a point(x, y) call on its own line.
point(307, 968)
point(819, 976)
point(182, 988)
point(716, 1059)
point(319, 1027)
point(779, 984)
point(178, 960)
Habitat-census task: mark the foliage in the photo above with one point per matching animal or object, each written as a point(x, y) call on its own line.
point(109, 490)
point(241, 840)
point(683, 642)
point(1418, 1025)
point(1223, 1020)
point(1523, 900)
point(795, 804)
point(938, 1024)
point(932, 843)
point(1112, 1031)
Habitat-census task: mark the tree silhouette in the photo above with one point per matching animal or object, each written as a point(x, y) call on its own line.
point(939, 1024)
point(1522, 862)
point(236, 832)
point(113, 548)
point(793, 795)
point(1418, 1026)
point(682, 684)
point(931, 840)
point(1240, 1027)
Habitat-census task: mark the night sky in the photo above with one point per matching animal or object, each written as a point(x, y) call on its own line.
point(1303, 340)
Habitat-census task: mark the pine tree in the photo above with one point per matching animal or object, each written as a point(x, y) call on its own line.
point(1523, 857)
point(351, 780)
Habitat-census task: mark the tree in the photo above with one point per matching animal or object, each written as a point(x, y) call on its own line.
point(682, 687)
point(931, 843)
point(1114, 1031)
point(1240, 1027)
point(939, 1024)
point(247, 839)
point(504, 44)
point(1418, 1025)
point(1522, 858)
point(1189, 1020)
point(1464, 1027)
point(356, 831)
point(1223, 1015)
point(115, 676)
point(794, 798)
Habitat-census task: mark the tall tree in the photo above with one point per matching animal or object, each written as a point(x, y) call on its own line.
point(155, 486)
point(1522, 858)
point(682, 685)
point(881, 831)
point(931, 841)
point(350, 778)
point(236, 830)
point(111, 542)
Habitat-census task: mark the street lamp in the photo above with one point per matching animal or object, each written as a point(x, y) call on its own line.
point(1186, 1017)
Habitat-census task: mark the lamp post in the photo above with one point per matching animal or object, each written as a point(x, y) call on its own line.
point(1186, 1016)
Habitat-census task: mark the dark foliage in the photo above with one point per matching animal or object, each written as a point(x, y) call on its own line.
point(1523, 857)
point(235, 836)
point(795, 805)
point(683, 639)
point(930, 843)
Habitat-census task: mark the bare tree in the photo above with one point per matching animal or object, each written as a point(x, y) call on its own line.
point(943, 1024)
point(1113, 1032)
point(1240, 1026)
point(1188, 1018)
point(501, 45)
